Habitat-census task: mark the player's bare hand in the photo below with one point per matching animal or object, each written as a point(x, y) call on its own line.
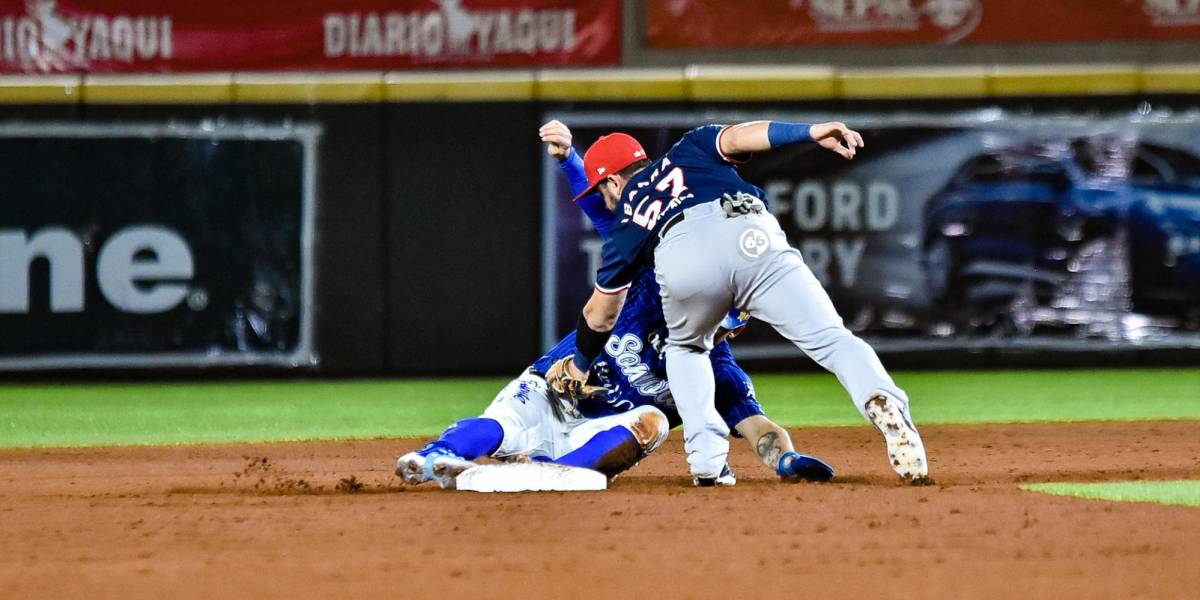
point(557, 138)
point(835, 136)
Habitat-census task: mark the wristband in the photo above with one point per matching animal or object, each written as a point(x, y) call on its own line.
point(780, 133)
point(588, 344)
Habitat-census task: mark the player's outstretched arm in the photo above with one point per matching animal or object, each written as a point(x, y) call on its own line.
point(558, 139)
point(569, 375)
point(595, 324)
point(759, 136)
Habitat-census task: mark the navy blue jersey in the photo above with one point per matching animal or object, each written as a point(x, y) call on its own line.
point(633, 369)
point(693, 171)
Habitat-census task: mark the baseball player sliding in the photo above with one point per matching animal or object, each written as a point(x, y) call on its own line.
point(713, 245)
point(622, 413)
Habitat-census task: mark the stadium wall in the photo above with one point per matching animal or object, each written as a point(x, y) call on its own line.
point(429, 221)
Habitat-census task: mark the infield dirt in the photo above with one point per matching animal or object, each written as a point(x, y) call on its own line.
point(301, 520)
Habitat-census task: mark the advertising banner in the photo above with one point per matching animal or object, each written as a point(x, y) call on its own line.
point(138, 36)
point(972, 231)
point(144, 246)
point(776, 23)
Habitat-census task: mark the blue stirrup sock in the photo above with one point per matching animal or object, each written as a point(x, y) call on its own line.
point(780, 133)
point(610, 452)
point(468, 438)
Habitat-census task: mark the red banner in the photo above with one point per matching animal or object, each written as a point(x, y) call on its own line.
point(131, 36)
point(774, 23)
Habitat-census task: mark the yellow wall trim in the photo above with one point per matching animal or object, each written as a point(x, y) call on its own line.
point(699, 83)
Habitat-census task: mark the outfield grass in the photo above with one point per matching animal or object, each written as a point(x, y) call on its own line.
point(175, 413)
point(1186, 493)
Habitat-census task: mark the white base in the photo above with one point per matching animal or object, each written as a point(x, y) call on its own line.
point(530, 477)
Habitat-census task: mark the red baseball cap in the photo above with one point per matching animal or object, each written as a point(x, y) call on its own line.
point(608, 155)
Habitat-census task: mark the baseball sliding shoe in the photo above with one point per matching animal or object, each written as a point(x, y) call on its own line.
point(725, 479)
point(794, 466)
point(906, 451)
point(411, 468)
point(437, 465)
point(446, 469)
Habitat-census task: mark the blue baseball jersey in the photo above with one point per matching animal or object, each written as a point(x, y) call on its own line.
point(693, 171)
point(632, 367)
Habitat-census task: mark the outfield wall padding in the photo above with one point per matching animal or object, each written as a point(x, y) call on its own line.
point(429, 220)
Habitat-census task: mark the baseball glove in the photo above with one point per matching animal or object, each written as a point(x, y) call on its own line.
point(565, 389)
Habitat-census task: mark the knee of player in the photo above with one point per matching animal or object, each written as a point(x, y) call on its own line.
point(650, 427)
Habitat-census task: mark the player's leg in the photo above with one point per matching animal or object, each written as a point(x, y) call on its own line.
point(460, 443)
point(787, 296)
point(736, 401)
point(615, 443)
point(695, 300)
point(796, 305)
point(773, 446)
point(518, 421)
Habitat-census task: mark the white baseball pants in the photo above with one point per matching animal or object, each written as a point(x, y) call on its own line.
point(710, 262)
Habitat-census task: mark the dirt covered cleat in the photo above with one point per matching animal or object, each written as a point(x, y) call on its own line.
point(447, 467)
point(431, 465)
point(411, 468)
point(725, 479)
point(802, 467)
point(906, 451)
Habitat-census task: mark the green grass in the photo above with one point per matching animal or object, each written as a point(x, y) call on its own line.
point(1186, 493)
point(175, 413)
point(973, 397)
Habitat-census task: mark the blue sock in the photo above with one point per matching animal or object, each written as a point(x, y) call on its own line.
point(609, 452)
point(468, 438)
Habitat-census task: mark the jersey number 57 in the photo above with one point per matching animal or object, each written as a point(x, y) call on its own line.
point(647, 212)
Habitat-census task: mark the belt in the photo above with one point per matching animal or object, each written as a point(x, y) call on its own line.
point(678, 218)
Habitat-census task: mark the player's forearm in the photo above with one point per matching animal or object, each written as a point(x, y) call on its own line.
point(592, 205)
point(769, 440)
point(594, 326)
point(759, 136)
point(602, 310)
point(572, 167)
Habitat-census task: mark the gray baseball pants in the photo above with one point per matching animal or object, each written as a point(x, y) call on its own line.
point(710, 262)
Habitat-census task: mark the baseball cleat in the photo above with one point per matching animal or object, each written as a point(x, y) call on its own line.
point(725, 479)
point(802, 467)
point(435, 465)
point(906, 451)
point(447, 467)
point(411, 468)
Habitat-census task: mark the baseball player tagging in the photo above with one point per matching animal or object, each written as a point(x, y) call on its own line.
point(629, 408)
point(713, 245)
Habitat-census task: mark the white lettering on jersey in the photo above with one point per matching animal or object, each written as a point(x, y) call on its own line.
point(626, 353)
point(648, 211)
point(649, 217)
